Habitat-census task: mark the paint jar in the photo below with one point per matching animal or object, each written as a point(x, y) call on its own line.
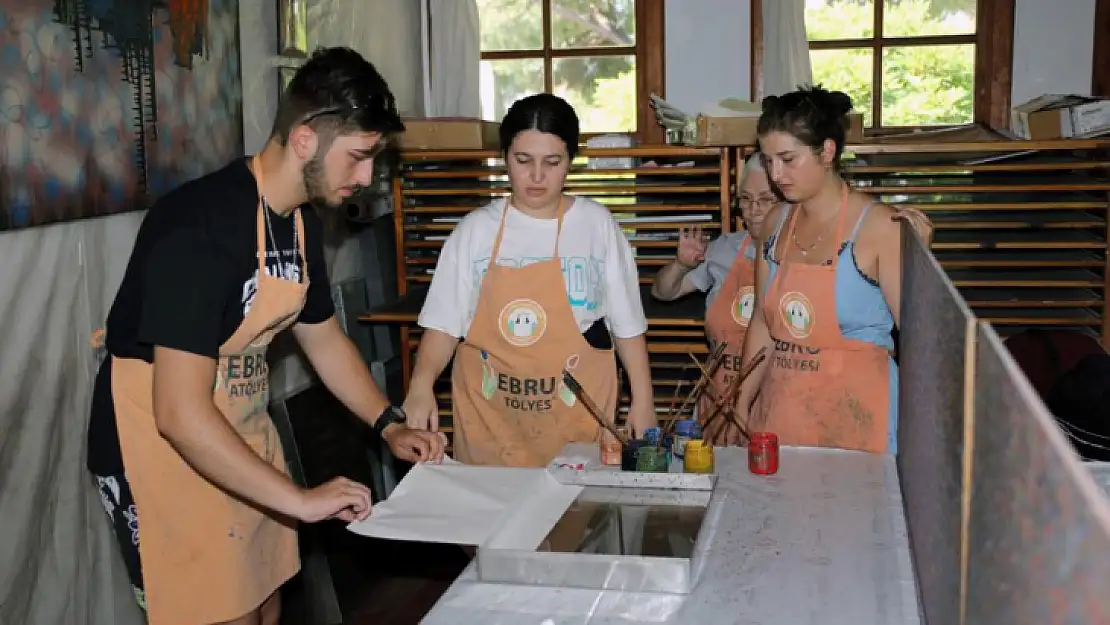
point(699, 457)
point(610, 449)
point(629, 455)
point(668, 447)
point(685, 430)
point(651, 459)
point(763, 453)
point(651, 435)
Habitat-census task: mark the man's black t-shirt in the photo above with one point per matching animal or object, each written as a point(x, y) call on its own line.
point(191, 277)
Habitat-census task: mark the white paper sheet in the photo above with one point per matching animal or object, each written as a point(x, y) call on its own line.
point(466, 505)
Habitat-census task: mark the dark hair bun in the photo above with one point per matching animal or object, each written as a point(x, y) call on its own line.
point(839, 103)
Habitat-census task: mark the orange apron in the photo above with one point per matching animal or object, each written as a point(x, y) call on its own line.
point(727, 320)
point(510, 405)
point(206, 556)
point(821, 389)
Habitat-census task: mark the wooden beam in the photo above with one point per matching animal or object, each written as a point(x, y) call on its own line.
point(994, 62)
point(757, 50)
point(1100, 74)
point(651, 67)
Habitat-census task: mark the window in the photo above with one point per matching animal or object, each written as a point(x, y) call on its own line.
point(905, 63)
point(602, 56)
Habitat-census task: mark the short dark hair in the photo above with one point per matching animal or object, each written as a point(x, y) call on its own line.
point(337, 91)
point(543, 112)
point(812, 115)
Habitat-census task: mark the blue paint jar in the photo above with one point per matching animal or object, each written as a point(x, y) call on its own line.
point(685, 430)
point(651, 435)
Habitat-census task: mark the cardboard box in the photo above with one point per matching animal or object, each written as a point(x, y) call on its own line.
point(450, 133)
point(1054, 116)
point(730, 131)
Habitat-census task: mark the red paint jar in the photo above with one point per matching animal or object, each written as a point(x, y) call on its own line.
point(763, 453)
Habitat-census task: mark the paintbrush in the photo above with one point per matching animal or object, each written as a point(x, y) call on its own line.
point(591, 407)
point(716, 358)
point(734, 389)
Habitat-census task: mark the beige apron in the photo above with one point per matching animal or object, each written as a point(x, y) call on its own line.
point(726, 321)
point(821, 389)
point(510, 405)
point(206, 556)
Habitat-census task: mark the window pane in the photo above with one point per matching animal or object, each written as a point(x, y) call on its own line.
point(850, 71)
point(510, 25)
point(928, 85)
point(593, 23)
point(829, 20)
point(602, 90)
point(503, 82)
point(922, 18)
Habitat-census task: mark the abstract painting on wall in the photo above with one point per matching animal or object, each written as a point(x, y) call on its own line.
point(106, 105)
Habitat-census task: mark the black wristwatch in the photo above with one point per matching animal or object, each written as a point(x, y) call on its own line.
point(389, 416)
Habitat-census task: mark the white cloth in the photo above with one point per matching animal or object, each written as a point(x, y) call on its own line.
point(599, 270)
point(471, 505)
point(786, 63)
point(454, 58)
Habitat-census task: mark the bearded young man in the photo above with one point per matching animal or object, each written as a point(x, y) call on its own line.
point(189, 465)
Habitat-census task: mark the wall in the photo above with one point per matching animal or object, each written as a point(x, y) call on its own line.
point(709, 49)
point(1053, 48)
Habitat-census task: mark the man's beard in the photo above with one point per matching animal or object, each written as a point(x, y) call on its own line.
point(314, 184)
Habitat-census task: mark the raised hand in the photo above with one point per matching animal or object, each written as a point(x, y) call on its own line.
point(692, 245)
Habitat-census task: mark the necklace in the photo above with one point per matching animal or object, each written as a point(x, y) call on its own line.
point(806, 249)
point(277, 250)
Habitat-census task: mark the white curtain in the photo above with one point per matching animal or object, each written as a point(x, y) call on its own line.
point(59, 563)
point(785, 46)
point(454, 58)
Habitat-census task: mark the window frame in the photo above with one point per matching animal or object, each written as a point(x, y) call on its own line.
point(649, 51)
point(994, 57)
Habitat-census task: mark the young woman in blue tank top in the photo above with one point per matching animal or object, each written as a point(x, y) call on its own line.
point(828, 285)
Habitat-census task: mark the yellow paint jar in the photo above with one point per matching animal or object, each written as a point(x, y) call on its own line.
point(699, 457)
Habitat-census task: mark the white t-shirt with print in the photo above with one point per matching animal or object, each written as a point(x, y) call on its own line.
point(599, 269)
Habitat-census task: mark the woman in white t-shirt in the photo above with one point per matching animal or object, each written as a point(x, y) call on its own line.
point(524, 288)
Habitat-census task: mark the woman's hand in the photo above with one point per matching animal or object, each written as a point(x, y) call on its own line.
point(916, 220)
point(641, 417)
point(691, 247)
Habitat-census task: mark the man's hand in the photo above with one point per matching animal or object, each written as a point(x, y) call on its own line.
point(414, 445)
point(339, 498)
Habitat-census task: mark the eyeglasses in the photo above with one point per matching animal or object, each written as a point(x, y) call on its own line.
point(763, 201)
point(331, 110)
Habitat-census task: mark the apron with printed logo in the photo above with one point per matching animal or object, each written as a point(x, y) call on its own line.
point(821, 389)
point(207, 556)
point(727, 321)
point(510, 405)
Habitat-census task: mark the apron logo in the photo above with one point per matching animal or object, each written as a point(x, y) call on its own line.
point(743, 305)
point(797, 314)
point(522, 322)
